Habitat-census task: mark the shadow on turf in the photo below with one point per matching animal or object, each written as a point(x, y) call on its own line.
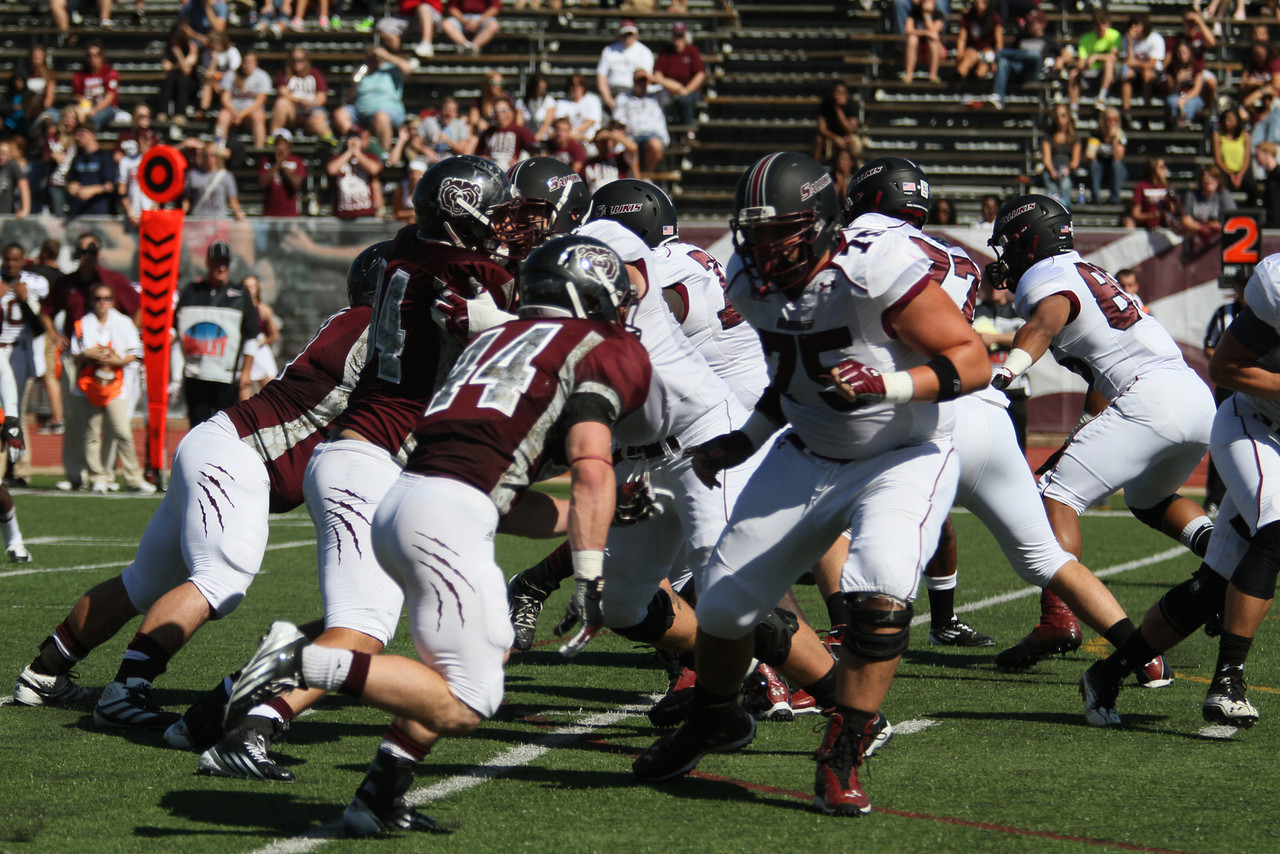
point(274, 813)
point(1132, 720)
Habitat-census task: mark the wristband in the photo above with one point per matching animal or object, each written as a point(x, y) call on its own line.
point(899, 387)
point(1018, 362)
point(588, 564)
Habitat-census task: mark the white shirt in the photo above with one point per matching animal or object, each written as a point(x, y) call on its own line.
point(577, 112)
point(1150, 46)
point(116, 332)
point(642, 116)
point(619, 64)
point(12, 328)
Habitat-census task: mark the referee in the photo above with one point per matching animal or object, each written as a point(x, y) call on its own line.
point(216, 326)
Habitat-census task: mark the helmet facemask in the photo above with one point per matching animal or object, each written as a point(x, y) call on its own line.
point(783, 250)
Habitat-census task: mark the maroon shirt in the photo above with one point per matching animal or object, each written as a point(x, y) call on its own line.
point(503, 145)
point(604, 169)
point(472, 7)
point(280, 199)
point(679, 65)
point(499, 421)
point(353, 191)
point(572, 153)
point(409, 354)
point(285, 421)
point(70, 293)
point(95, 84)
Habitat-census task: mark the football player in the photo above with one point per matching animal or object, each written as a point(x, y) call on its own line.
point(525, 400)
point(466, 215)
point(551, 190)
point(205, 543)
point(861, 344)
point(1232, 591)
point(1155, 430)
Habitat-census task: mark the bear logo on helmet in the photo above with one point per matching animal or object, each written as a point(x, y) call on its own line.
point(597, 261)
point(459, 197)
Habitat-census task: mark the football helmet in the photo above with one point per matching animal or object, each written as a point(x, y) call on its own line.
point(553, 191)
point(575, 276)
point(889, 185)
point(365, 273)
point(639, 206)
point(1028, 229)
point(787, 218)
point(467, 201)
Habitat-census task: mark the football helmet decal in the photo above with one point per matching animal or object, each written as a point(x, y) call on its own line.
point(467, 201)
point(889, 185)
point(640, 207)
point(575, 276)
point(552, 191)
point(1028, 229)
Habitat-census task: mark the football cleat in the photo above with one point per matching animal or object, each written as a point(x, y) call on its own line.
point(1057, 633)
point(708, 730)
point(525, 600)
point(765, 696)
point(878, 736)
point(379, 805)
point(243, 753)
point(276, 667)
point(200, 726)
point(957, 633)
point(18, 554)
point(40, 689)
point(129, 705)
point(1099, 698)
point(673, 709)
point(804, 703)
point(1226, 702)
point(1155, 673)
point(836, 789)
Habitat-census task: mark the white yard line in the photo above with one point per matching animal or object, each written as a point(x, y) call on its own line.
point(85, 567)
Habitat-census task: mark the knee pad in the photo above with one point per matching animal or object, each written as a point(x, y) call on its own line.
point(773, 636)
point(1153, 517)
point(1194, 602)
point(860, 636)
point(657, 619)
point(1256, 574)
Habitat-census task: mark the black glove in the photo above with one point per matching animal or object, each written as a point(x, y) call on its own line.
point(723, 452)
point(637, 501)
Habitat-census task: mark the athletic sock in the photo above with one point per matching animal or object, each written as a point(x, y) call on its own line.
point(855, 720)
point(59, 652)
point(1120, 632)
point(942, 600)
point(401, 745)
point(547, 573)
point(329, 669)
point(823, 690)
point(9, 527)
point(144, 659)
point(1232, 651)
point(1128, 657)
point(1195, 535)
point(837, 609)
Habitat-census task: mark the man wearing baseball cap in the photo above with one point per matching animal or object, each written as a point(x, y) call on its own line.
point(620, 61)
point(215, 333)
point(678, 69)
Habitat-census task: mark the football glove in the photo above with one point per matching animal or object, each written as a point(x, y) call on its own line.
point(465, 315)
point(13, 439)
point(1001, 377)
point(723, 452)
point(863, 384)
point(586, 604)
point(637, 501)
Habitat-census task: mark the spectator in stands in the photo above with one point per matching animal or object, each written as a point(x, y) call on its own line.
point(584, 110)
point(838, 125)
point(1203, 207)
point(179, 62)
point(298, 24)
point(31, 91)
point(902, 11)
point(925, 26)
point(210, 190)
point(1155, 204)
point(15, 190)
point(446, 133)
point(471, 24)
point(981, 35)
point(377, 96)
point(244, 101)
point(273, 17)
point(842, 169)
point(563, 147)
point(619, 62)
point(59, 152)
point(942, 212)
point(987, 216)
point(1201, 38)
point(301, 95)
point(536, 108)
point(1127, 279)
point(1233, 153)
point(417, 16)
point(679, 70)
point(402, 209)
point(353, 174)
point(1260, 73)
point(1184, 85)
point(91, 180)
point(1267, 155)
point(1143, 54)
point(402, 149)
point(281, 177)
point(97, 87)
point(140, 128)
point(615, 158)
point(60, 11)
point(642, 116)
point(1025, 61)
point(132, 200)
point(1096, 53)
point(1060, 153)
point(219, 60)
point(1104, 153)
point(1218, 9)
point(203, 18)
point(491, 94)
point(505, 142)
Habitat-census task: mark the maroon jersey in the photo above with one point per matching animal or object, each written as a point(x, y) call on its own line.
point(408, 353)
point(285, 421)
point(499, 421)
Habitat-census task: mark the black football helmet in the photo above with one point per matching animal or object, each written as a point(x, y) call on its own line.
point(467, 201)
point(889, 185)
point(365, 273)
point(1028, 229)
point(553, 191)
point(787, 217)
point(641, 207)
point(575, 276)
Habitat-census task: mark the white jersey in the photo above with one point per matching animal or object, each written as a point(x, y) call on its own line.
point(12, 328)
point(840, 315)
point(684, 389)
point(1107, 339)
point(729, 344)
point(1262, 296)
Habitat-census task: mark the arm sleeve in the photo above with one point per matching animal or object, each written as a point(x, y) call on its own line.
point(1256, 335)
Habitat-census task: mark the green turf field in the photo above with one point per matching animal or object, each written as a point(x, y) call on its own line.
point(984, 761)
